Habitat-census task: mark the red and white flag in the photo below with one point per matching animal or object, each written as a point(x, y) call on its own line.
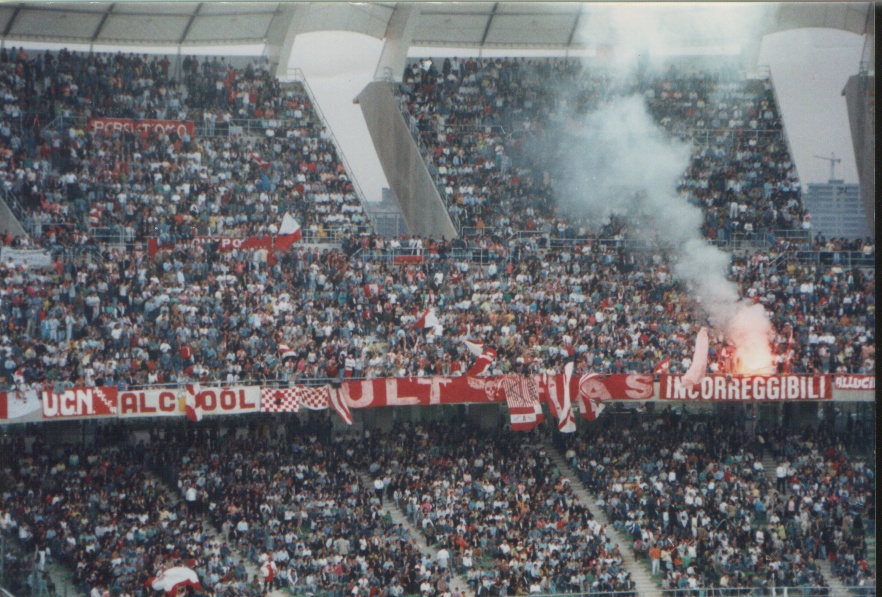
point(338, 401)
point(427, 320)
point(261, 163)
point(19, 404)
point(592, 394)
point(191, 404)
point(174, 579)
point(279, 400)
point(485, 359)
point(561, 402)
point(285, 352)
point(289, 233)
point(522, 397)
point(372, 289)
point(698, 369)
point(663, 367)
point(313, 398)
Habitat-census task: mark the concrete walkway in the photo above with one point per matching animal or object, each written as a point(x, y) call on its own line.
point(640, 573)
point(399, 517)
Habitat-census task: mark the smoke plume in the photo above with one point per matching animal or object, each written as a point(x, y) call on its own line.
point(620, 162)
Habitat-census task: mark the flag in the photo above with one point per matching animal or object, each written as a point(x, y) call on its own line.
point(289, 233)
point(476, 348)
point(174, 579)
point(285, 352)
point(191, 406)
point(522, 397)
point(698, 369)
point(313, 398)
point(14, 405)
point(663, 367)
point(592, 393)
point(427, 320)
point(279, 400)
point(261, 163)
point(372, 289)
point(561, 404)
point(483, 362)
point(338, 401)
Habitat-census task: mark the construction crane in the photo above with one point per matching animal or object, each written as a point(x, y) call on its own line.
point(833, 161)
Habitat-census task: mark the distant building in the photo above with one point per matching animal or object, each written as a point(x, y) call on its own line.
point(386, 216)
point(837, 210)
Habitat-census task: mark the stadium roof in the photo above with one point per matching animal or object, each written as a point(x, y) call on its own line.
point(466, 24)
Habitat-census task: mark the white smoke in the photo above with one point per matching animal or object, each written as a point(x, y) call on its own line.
point(622, 163)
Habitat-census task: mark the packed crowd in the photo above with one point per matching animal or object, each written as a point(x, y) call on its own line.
point(302, 505)
point(481, 122)
point(695, 497)
point(101, 512)
point(690, 491)
point(498, 509)
point(80, 185)
point(200, 314)
point(831, 495)
point(192, 311)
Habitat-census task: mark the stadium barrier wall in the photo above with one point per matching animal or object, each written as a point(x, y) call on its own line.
point(587, 392)
point(418, 198)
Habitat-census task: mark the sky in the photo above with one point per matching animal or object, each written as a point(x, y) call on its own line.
point(810, 68)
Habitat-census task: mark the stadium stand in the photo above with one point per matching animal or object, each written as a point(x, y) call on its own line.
point(526, 279)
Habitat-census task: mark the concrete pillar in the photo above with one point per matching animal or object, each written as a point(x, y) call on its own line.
point(280, 38)
point(399, 34)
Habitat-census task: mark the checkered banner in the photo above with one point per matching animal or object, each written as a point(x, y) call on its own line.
point(279, 400)
point(290, 400)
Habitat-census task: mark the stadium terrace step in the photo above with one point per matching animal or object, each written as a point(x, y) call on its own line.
point(399, 517)
point(644, 583)
point(836, 586)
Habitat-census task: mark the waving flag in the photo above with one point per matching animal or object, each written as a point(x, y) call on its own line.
point(338, 401)
point(174, 579)
point(285, 352)
point(486, 357)
point(259, 161)
point(427, 320)
point(561, 403)
point(191, 406)
point(289, 233)
point(663, 367)
point(698, 369)
point(592, 394)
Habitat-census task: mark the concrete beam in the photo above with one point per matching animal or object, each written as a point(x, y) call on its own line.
point(399, 35)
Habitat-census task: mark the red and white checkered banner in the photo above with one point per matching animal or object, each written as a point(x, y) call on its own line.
point(279, 400)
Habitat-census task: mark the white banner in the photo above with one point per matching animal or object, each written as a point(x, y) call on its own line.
point(170, 402)
point(30, 258)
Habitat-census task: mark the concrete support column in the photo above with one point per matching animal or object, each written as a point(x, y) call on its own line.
point(399, 34)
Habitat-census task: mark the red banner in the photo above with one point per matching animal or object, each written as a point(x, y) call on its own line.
point(424, 391)
point(228, 243)
point(144, 127)
point(748, 388)
point(855, 382)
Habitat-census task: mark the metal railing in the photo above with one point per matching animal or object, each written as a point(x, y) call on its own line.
point(763, 591)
